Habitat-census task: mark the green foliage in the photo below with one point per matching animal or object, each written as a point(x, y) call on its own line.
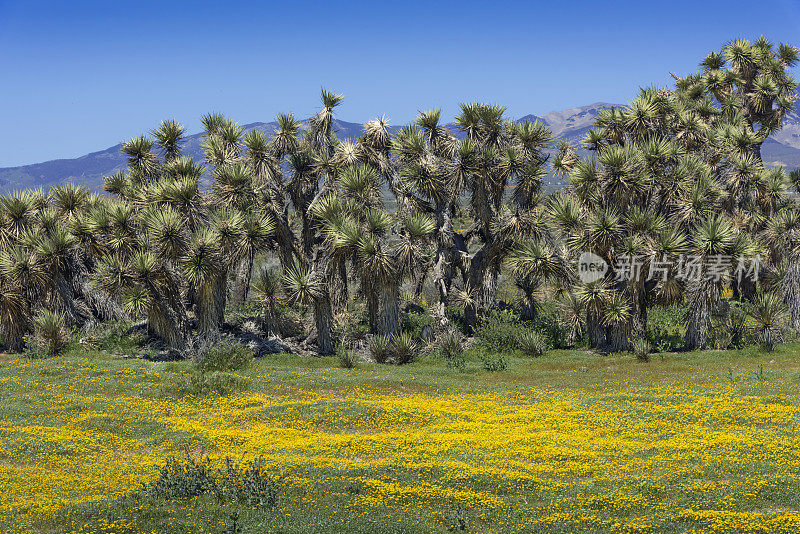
point(205, 384)
point(533, 344)
point(181, 480)
point(347, 358)
point(501, 332)
point(666, 327)
point(115, 337)
point(494, 362)
point(49, 334)
point(225, 356)
point(404, 348)
point(414, 323)
point(453, 351)
point(380, 348)
point(248, 484)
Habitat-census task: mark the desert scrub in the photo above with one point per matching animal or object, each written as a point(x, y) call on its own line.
point(453, 351)
point(533, 344)
point(198, 384)
point(347, 358)
point(380, 348)
point(493, 362)
point(417, 324)
point(641, 349)
point(404, 348)
point(225, 356)
point(247, 483)
point(50, 337)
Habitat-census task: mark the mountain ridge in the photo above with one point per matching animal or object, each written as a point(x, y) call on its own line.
point(571, 125)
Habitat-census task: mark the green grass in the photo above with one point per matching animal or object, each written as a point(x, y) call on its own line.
point(91, 395)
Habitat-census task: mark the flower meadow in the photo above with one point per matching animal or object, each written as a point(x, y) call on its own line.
point(697, 443)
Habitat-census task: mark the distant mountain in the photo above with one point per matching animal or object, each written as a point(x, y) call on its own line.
point(783, 148)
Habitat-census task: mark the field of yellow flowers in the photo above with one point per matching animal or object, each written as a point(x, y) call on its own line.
point(570, 442)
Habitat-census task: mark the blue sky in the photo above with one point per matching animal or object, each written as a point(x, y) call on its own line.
point(82, 76)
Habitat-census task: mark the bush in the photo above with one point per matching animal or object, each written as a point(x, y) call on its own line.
point(533, 344)
point(248, 484)
point(115, 337)
point(500, 332)
point(415, 323)
point(494, 362)
point(225, 356)
point(203, 384)
point(49, 338)
point(641, 348)
point(380, 348)
point(453, 351)
point(181, 480)
point(404, 348)
point(347, 358)
point(666, 327)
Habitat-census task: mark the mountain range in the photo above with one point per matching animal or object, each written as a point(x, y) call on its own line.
point(782, 148)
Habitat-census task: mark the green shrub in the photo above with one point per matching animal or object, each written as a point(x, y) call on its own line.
point(455, 314)
point(494, 362)
point(453, 352)
point(533, 344)
point(404, 348)
point(415, 323)
point(248, 484)
point(114, 337)
point(204, 384)
point(500, 332)
point(347, 358)
point(225, 356)
point(49, 335)
point(641, 348)
point(181, 480)
point(380, 348)
point(666, 327)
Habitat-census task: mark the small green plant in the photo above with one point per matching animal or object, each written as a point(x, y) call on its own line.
point(533, 344)
point(500, 332)
point(234, 527)
point(115, 337)
point(49, 335)
point(453, 351)
point(248, 484)
point(404, 348)
point(204, 384)
point(225, 356)
point(641, 348)
point(768, 311)
point(380, 348)
point(347, 358)
point(181, 480)
point(494, 362)
point(415, 323)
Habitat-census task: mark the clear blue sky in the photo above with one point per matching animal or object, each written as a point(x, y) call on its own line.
point(81, 76)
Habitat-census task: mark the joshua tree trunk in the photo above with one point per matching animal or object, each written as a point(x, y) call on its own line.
point(594, 329)
point(791, 291)
point(390, 310)
point(244, 274)
point(372, 307)
point(443, 263)
point(703, 295)
point(339, 288)
point(323, 317)
point(478, 279)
